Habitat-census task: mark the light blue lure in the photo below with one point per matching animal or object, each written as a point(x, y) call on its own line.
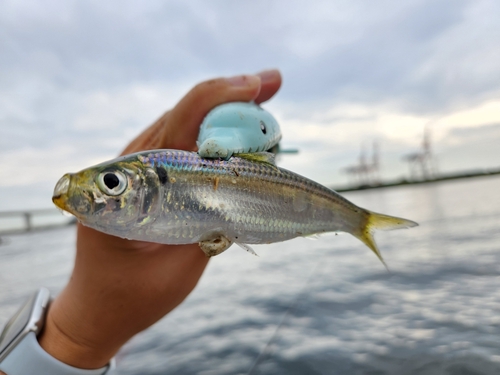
point(237, 128)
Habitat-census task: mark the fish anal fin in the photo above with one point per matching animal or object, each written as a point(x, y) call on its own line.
point(314, 236)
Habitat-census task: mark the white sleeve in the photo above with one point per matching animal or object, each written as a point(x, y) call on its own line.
point(28, 358)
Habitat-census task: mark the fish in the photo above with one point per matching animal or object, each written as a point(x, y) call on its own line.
point(178, 197)
point(238, 127)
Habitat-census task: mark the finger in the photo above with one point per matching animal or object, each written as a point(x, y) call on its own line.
point(191, 110)
point(270, 82)
point(181, 129)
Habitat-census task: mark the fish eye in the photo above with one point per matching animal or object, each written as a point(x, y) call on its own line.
point(263, 127)
point(112, 183)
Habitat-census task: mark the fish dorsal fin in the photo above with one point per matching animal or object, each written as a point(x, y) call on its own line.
point(259, 157)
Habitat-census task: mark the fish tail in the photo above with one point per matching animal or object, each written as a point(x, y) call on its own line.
point(375, 222)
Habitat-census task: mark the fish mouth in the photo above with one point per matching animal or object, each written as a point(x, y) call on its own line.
point(59, 197)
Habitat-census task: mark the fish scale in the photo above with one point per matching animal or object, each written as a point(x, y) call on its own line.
point(246, 199)
point(246, 215)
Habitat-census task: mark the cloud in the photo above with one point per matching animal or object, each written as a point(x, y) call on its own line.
point(89, 75)
point(97, 128)
point(415, 53)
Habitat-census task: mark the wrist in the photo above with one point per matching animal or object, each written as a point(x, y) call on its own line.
point(20, 350)
point(62, 341)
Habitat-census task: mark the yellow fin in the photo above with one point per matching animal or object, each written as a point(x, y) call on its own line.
point(259, 157)
point(375, 222)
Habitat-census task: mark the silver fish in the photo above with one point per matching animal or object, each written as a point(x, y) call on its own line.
point(177, 197)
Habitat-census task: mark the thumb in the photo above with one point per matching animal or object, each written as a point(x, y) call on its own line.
point(181, 129)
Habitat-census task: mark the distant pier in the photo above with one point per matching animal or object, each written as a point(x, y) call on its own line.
point(24, 221)
point(404, 182)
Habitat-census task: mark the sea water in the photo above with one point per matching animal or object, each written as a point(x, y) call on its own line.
point(324, 306)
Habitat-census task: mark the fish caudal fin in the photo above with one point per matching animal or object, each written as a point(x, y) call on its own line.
point(377, 221)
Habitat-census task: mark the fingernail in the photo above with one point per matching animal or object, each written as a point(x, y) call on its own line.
point(268, 75)
point(245, 80)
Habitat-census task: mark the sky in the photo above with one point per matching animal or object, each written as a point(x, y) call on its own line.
point(79, 79)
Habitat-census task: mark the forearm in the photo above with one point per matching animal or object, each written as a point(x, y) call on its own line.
point(73, 349)
point(115, 292)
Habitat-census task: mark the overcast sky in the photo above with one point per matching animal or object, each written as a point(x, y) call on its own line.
point(78, 79)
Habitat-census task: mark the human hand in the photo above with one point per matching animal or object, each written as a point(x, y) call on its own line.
point(120, 287)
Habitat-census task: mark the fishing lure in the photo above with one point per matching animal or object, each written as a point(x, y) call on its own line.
point(236, 128)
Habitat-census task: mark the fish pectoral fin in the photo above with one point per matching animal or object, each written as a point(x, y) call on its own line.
point(246, 247)
point(215, 246)
point(259, 157)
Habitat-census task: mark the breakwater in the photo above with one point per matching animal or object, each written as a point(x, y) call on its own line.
point(32, 220)
point(406, 182)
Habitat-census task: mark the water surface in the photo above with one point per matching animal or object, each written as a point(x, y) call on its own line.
point(324, 306)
